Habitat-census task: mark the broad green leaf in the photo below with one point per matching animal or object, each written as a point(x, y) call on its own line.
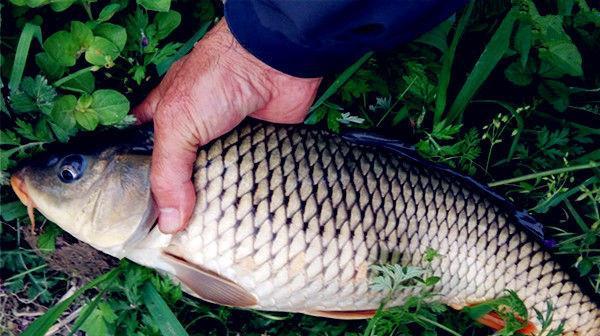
point(556, 93)
point(164, 53)
point(165, 23)
point(564, 56)
point(400, 115)
point(438, 36)
point(42, 130)
point(34, 94)
point(49, 66)
point(110, 105)
point(82, 34)
point(62, 47)
point(61, 5)
point(139, 72)
point(87, 119)
point(585, 266)
point(36, 3)
point(333, 120)
point(99, 322)
point(62, 114)
point(565, 7)
point(102, 52)
point(8, 138)
point(517, 74)
point(112, 32)
point(47, 240)
point(84, 83)
point(493, 53)
point(25, 130)
point(155, 5)
point(551, 28)
point(108, 11)
point(523, 41)
point(13, 210)
point(21, 102)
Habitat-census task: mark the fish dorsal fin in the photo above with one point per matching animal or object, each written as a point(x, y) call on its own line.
point(408, 152)
point(208, 285)
point(343, 314)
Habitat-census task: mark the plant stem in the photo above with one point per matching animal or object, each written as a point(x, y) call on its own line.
point(397, 101)
point(88, 9)
point(544, 173)
point(31, 270)
point(437, 324)
point(73, 75)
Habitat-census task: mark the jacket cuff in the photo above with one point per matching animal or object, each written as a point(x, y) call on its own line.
point(278, 51)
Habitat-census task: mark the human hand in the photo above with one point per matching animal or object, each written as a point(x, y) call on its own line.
point(203, 96)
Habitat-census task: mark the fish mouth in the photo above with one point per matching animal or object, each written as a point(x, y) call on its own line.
point(20, 188)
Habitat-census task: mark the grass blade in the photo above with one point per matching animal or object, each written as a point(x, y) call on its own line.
point(164, 66)
point(590, 165)
point(559, 197)
point(89, 309)
point(342, 78)
point(448, 60)
point(74, 75)
point(493, 53)
point(29, 32)
point(41, 325)
point(161, 313)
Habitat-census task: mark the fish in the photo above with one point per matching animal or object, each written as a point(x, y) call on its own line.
point(292, 219)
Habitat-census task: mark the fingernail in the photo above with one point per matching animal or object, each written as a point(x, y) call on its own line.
point(169, 220)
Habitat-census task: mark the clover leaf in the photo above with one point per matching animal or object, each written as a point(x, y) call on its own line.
point(110, 106)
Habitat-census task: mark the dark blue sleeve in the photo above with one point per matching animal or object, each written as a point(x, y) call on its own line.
point(309, 38)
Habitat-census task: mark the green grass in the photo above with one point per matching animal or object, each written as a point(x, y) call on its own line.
point(501, 92)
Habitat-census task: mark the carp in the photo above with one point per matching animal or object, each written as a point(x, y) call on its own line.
point(292, 219)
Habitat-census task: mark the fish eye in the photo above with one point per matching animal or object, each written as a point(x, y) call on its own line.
point(71, 168)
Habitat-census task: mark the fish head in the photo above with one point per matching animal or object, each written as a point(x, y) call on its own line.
point(102, 198)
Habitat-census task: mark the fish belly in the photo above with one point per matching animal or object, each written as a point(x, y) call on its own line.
point(297, 216)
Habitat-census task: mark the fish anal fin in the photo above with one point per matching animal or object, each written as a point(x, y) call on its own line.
point(494, 321)
point(209, 285)
point(343, 314)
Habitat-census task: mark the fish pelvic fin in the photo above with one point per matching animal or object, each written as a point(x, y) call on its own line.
point(343, 314)
point(208, 285)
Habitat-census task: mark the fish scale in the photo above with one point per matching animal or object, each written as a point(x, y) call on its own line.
point(297, 216)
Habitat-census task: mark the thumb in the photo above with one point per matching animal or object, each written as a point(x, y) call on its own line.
point(171, 172)
point(144, 112)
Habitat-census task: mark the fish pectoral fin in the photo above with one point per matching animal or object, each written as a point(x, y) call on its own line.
point(208, 285)
point(343, 314)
